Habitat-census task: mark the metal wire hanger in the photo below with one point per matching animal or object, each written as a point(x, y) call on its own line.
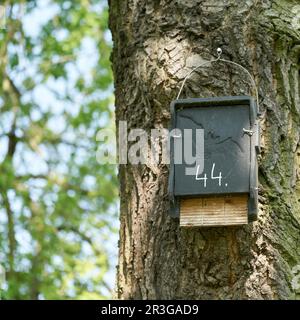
point(219, 53)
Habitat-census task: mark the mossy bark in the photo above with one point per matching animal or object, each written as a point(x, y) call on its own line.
point(155, 44)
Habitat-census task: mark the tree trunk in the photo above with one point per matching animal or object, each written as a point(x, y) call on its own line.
point(156, 43)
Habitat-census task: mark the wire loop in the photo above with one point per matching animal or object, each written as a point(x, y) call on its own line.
point(219, 53)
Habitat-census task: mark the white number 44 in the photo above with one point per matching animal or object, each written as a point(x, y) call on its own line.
point(204, 178)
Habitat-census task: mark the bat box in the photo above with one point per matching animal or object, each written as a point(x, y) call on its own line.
point(222, 189)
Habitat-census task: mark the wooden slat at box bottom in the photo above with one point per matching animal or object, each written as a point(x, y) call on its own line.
point(214, 211)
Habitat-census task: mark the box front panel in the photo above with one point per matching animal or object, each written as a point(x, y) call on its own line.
point(226, 150)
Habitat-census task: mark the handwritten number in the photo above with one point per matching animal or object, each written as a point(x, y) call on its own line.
point(212, 176)
point(201, 178)
point(217, 177)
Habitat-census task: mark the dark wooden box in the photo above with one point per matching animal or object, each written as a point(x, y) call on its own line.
point(225, 193)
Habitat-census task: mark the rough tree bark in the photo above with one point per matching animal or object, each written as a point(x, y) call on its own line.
point(155, 44)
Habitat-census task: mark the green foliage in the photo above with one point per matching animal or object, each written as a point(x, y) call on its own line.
point(57, 204)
